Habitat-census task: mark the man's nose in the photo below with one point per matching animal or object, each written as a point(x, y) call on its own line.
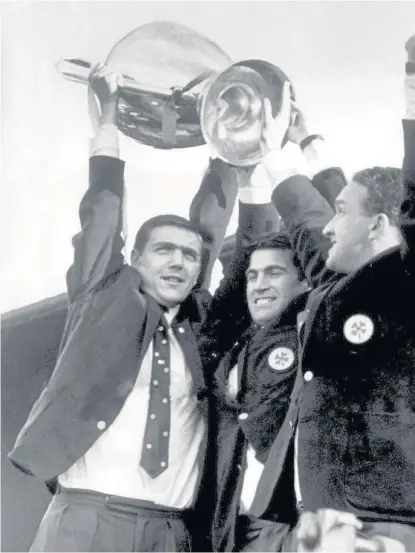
point(261, 284)
point(328, 229)
point(176, 258)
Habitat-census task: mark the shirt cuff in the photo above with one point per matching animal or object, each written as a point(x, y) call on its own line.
point(316, 156)
point(105, 142)
point(409, 91)
point(277, 168)
point(255, 194)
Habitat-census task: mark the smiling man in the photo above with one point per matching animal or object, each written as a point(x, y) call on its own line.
point(124, 423)
point(349, 433)
point(273, 278)
point(167, 254)
point(253, 352)
point(366, 222)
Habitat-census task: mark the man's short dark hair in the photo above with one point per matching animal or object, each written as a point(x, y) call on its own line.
point(143, 233)
point(384, 191)
point(276, 241)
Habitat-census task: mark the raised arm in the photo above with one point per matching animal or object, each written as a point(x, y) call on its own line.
point(408, 204)
point(228, 316)
point(212, 209)
point(98, 246)
point(305, 205)
point(305, 213)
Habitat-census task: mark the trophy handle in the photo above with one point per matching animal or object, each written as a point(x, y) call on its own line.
point(78, 70)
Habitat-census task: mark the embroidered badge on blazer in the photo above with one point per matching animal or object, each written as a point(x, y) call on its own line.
point(281, 359)
point(358, 329)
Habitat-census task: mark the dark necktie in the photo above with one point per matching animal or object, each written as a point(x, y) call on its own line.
point(155, 451)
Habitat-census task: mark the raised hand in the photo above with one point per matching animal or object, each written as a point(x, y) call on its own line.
point(327, 530)
point(104, 82)
point(410, 49)
point(297, 131)
point(275, 128)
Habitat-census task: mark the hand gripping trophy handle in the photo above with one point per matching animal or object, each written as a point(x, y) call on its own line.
point(78, 70)
point(181, 90)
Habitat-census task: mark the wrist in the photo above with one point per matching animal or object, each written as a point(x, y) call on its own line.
point(276, 167)
point(409, 93)
point(109, 111)
point(305, 142)
point(255, 194)
point(410, 67)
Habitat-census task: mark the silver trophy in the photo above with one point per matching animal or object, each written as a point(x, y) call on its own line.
point(181, 90)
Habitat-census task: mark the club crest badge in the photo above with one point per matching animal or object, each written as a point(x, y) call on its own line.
point(358, 329)
point(281, 359)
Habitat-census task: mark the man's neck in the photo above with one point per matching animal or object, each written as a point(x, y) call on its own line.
point(171, 313)
point(392, 239)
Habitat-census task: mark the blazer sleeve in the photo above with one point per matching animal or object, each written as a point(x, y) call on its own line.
point(211, 209)
point(407, 213)
point(305, 213)
point(98, 246)
point(330, 183)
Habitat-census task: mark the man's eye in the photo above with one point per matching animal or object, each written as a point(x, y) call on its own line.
point(162, 250)
point(191, 256)
point(250, 277)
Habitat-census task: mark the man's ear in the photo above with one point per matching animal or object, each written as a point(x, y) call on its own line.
point(135, 256)
point(378, 225)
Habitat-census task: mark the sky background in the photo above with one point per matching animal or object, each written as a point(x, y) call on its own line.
point(345, 59)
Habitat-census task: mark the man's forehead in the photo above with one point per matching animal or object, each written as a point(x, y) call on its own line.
point(175, 235)
point(267, 257)
point(353, 191)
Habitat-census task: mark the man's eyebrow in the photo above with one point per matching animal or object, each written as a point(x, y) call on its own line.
point(171, 246)
point(268, 268)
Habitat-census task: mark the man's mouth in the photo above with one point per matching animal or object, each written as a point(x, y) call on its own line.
point(173, 279)
point(265, 300)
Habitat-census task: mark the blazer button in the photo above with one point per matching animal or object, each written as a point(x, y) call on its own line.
point(181, 330)
point(243, 416)
point(101, 425)
point(308, 375)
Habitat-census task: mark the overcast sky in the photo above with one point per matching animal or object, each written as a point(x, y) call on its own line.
point(345, 59)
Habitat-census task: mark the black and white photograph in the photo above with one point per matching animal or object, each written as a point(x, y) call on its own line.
point(208, 276)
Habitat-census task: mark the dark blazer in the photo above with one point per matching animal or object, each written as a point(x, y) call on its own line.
point(354, 396)
point(109, 326)
point(266, 383)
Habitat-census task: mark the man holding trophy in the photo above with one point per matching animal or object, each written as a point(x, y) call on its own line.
point(124, 422)
point(125, 432)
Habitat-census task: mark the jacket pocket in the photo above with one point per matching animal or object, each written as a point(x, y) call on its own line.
point(380, 462)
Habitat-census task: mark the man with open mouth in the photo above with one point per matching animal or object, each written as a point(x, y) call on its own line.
point(253, 350)
point(123, 424)
point(349, 433)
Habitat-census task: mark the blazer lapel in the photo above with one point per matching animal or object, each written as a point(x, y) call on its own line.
point(241, 364)
point(152, 319)
point(313, 305)
point(187, 341)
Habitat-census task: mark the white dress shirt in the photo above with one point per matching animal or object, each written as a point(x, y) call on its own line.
point(254, 467)
point(112, 464)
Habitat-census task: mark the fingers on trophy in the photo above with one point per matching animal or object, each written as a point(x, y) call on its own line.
point(192, 95)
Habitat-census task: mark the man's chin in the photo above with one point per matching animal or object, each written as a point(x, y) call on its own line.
point(172, 299)
point(265, 314)
point(331, 261)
